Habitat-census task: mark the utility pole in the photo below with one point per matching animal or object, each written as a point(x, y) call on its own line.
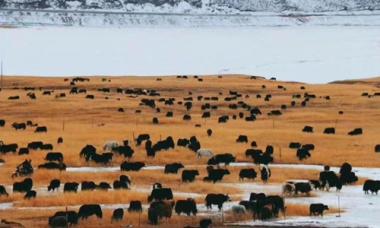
point(338, 205)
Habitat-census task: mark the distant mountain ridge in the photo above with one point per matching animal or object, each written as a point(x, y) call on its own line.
point(197, 6)
point(189, 13)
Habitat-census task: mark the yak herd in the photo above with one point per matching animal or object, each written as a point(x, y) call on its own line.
point(161, 200)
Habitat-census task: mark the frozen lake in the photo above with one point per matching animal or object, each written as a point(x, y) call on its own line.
point(299, 53)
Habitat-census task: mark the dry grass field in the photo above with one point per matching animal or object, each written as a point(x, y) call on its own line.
point(80, 121)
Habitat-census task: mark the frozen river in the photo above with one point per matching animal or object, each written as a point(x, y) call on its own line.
point(299, 53)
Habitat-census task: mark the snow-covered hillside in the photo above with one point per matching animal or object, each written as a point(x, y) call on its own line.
point(209, 6)
point(189, 12)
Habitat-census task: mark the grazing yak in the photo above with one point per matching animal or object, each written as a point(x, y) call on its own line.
point(377, 148)
point(58, 221)
point(288, 188)
point(54, 184)
point(2, 123)
point(189, 175)
point(117, 184)
point(256, 196)
point(291, 187)
point(158, 210)
point(19, 126)
point(47, 146)
point(206, 114)
point(294, 145)
point(247, 173)
point(104, 158)
point(159, 194)
point(259, 157)
point(23, 150)
point(88, 210)
point(88, 186)
point(59, 140)
point(216, 199)
point(70, 187)
point(265, 174)
point(141, 138)
point(125, 150)
point(223, 119)
point(118, 214)
point(173, 167)
point(103, 186)
point(123, 183)
point(165, 144)
point(308, 129)
point(135, 206)
point(110, 146)
point(215, 175)
point(204, 153)
point(3, 191)
point(242, 139)
point(347, 176)
point(87, 152)
point(225, 158)
point(131, 166)
point(302, 187)
point(303, 153)
point(329, 130)
point(41, 129)
point(316, 184)
point(54, 156)
point(187, 207)
point(372, 186)
point(317, 209)
point(23, 186)
point(308, 147)
point(356, 131)
point(63, 217)
point(193, 143)
point(266, 207)
point(30, 194)
point(329, 179)
point(155, 120)
point(7, 148)
point(53, 165)
point(35, 145)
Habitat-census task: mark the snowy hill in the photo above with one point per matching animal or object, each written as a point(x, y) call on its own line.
point(190, 12)
point(196, 6)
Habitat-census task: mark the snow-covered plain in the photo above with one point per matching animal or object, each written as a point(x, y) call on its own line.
point(299, 53)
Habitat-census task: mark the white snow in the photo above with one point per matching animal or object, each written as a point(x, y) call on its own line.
point(216, 6)
point(306, 53)
point(364, 172)
point(360, 210)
